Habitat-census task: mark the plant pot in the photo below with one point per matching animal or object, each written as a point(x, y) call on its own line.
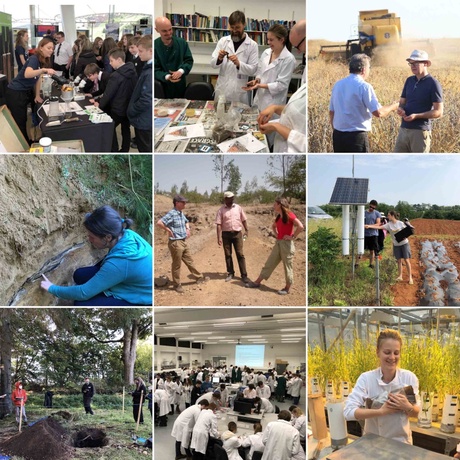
point(337, 424)
point(449, 414)
point(425, 414)
point(435, 408)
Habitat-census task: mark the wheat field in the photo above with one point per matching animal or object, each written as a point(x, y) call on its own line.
point(389, 71)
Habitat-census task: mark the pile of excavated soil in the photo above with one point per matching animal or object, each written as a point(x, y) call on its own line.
point(42, 215)
point(46, 440)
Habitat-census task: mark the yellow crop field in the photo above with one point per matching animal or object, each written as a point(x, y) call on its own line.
point(389, 71)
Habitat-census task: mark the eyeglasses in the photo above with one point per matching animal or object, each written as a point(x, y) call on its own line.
point(372, 207)
point(297, 47)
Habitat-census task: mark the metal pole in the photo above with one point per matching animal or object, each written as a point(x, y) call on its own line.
point(377, 279)
point(123, 410)
point(350, 317)
point(20, 415)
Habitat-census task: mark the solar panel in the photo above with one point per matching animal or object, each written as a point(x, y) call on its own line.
point(349, 190)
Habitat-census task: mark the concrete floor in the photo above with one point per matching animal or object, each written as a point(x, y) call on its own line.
point(164, 443)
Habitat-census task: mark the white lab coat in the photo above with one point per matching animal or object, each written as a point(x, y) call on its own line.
point(263, 392)
point(271, 383)
point(249, 394)
point(177, 392)
point(300, 425)
point(183, 426)
point(169, 387)
point(294, 116)
point(266, 406)
point(296, 386)
point(244, 378)
point(281, 441)
point(231, 442)
point(162, 399)
point(230, 78)
point(159, 384)
point(205, 426)
point(277, 75)
point(254, 442)
point(187, 391)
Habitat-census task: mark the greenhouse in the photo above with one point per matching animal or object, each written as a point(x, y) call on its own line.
point(384, 383)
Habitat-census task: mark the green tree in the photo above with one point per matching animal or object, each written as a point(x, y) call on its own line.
point(234, 177)
point(184, 188)
point(174, 191)
point(287, 174)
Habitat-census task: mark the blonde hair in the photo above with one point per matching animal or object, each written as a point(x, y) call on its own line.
point(388, 334)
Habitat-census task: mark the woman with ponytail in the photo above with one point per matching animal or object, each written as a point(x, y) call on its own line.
point(286, 227)
point(123, 277)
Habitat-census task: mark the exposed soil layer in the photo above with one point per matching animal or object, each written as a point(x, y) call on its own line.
point(42, 215)
point(209, 258)
point(446, 231)
point(46, 440)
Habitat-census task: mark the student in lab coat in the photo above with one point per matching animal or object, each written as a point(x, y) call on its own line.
point(296, 386)
point(183, 427)
point(298, 421)
point(281, 439)
point(263, 391)
point(205, 427)
point(265, 405)
point(274, 71)
point(161, 398)
point(236, 56)
point(231, 442)
point(291, 128)
point(254, 441)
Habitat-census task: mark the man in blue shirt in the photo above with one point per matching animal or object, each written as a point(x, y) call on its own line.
point(371, 217)
point(177, 226)
point(420, 102)
point(353, 103)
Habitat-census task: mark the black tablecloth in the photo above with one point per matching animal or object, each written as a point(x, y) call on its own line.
point(95, 137)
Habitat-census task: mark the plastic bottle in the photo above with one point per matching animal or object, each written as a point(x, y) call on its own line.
point(221, 107)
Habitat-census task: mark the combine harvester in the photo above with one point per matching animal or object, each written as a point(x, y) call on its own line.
point(376, 28)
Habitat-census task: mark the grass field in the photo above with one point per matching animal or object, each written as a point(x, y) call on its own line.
point(119, 426)
point(389, 71)
point(332, 283)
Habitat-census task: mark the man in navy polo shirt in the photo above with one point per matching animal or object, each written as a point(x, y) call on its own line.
point(420, 102)
point(371, 217)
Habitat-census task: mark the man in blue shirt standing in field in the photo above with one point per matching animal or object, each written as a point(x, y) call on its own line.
point(353, 103)
point(177, 226)
point(421, 101)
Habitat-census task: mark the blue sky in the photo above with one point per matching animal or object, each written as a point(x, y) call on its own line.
point(432, 179)
point(198, 170)
point(333, 19)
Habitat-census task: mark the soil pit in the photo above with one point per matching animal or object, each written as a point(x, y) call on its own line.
point(90, 437)
point(46, 440)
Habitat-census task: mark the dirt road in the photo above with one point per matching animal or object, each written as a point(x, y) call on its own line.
point(209, 258)
point(447, 231)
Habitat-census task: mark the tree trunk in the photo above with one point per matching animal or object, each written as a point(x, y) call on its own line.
point(129, 351)
point(6, 345)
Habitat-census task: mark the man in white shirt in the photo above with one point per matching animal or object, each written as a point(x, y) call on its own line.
point(205, 427)
point(62, 55)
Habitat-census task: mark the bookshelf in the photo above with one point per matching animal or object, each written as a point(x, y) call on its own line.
point(198, 28)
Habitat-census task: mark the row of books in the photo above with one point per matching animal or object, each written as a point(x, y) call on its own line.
point(213, 36)
point(201, 21)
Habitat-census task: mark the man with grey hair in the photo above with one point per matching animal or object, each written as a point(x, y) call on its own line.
point(353, 103)
point(421, 101)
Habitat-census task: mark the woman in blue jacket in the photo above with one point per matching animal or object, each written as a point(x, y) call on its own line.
point(123, 277)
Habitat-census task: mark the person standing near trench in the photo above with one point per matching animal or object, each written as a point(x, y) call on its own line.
point(19, 398)
point(138, 395)
point(88, 392)
point(178, 228)
point(231, 221)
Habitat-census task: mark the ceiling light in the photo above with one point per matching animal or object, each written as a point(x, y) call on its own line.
point(293, 329)
point(199, 333)
point(229, 324)
point(290, 335)
point(251, 336)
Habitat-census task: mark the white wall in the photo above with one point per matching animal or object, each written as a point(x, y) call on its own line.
point(293, 353)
